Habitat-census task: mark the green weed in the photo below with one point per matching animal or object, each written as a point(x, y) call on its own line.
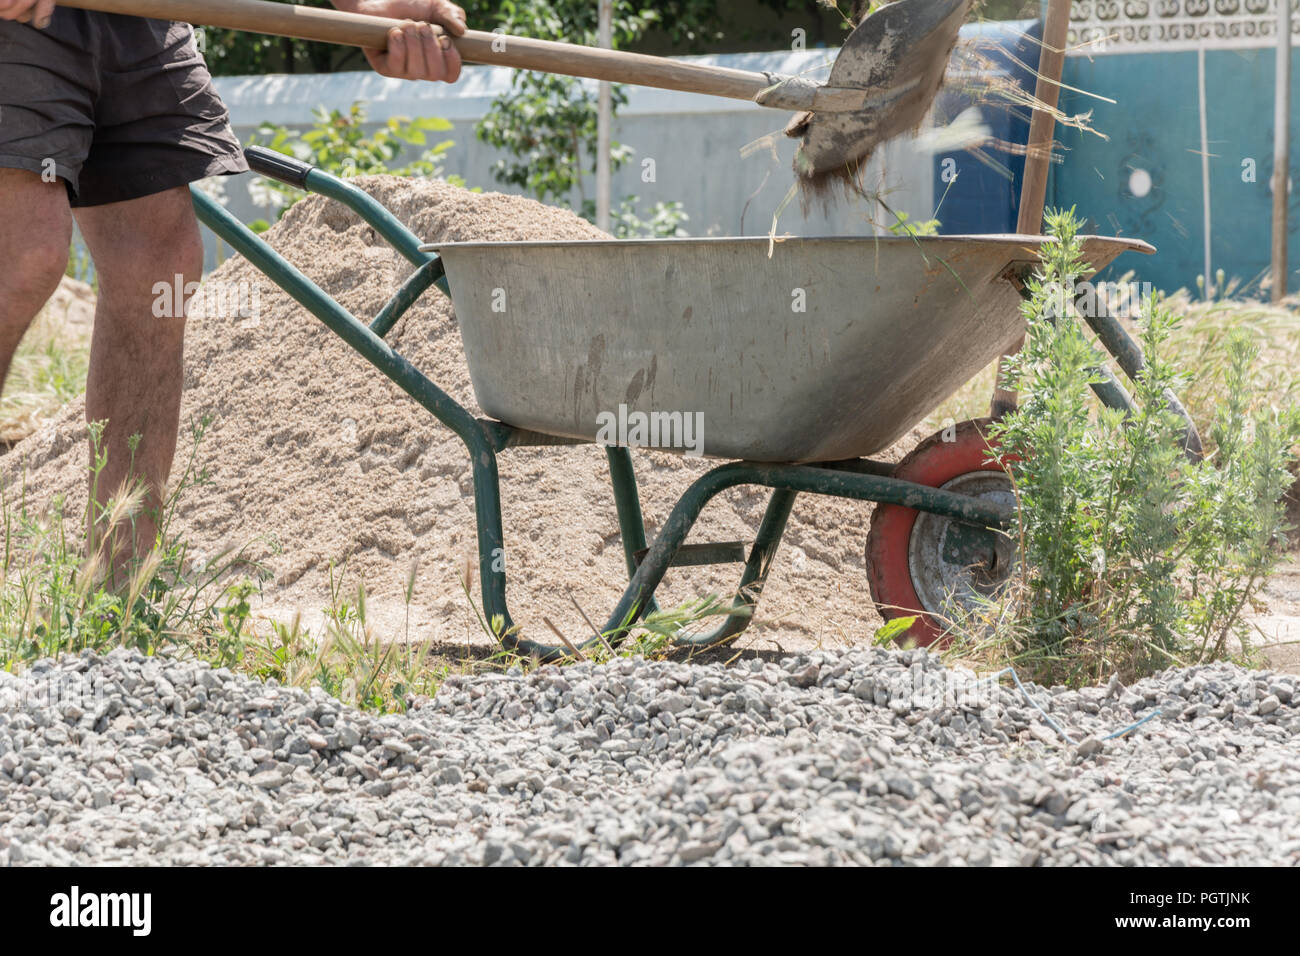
point(1133, 556)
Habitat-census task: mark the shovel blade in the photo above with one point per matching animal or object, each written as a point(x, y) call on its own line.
point(902, 48)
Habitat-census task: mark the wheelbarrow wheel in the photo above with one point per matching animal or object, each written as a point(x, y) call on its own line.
point(930, 567)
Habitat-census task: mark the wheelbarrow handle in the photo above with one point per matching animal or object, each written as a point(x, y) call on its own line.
point(278, 166)
point(496, 49)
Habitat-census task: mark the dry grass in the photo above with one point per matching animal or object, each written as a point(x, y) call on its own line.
point(1198, 345)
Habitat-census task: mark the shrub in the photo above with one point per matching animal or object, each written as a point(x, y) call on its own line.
point(1133, 557)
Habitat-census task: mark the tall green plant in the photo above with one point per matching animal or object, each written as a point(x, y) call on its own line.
point(1134, 557)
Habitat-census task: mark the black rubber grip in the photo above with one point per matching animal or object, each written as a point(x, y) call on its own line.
point(286, 169)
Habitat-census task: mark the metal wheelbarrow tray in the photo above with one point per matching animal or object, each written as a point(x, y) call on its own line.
point(798, 365)
point(826, 349)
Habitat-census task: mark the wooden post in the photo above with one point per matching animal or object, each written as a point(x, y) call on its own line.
point(1042, 128)
point(1281, 150)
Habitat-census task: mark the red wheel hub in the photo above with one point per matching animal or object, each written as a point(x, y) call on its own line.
point(957, 456)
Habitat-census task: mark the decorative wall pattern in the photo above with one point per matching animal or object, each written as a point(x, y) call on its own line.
point(1133, 26)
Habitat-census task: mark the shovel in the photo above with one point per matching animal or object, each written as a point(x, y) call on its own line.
point(881, 84)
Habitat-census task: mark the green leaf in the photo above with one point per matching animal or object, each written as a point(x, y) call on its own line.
point(433, 123)
point(894, 629)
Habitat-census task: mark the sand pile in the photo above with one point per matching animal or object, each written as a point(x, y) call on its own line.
point(316, 458)
point(72, 305)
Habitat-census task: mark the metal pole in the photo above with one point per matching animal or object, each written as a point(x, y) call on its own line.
point(1281, 149)
point(604, 120)
point(1207, 207)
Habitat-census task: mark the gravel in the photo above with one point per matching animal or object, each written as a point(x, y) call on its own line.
point(864, 756)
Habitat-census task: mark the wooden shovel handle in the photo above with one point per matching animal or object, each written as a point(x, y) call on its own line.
point(1033, 188)
point(476, 46)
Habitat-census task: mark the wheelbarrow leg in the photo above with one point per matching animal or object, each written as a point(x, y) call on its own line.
point(632, 530)
point(638, 597)
point(491, 544)
point(640, 591)
point(491, 558)
point(631, 523)
point(752, 581)
point(487, 505)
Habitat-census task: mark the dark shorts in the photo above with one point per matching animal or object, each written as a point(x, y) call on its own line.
point(117, 107)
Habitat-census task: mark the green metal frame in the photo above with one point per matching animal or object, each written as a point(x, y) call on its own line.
point(861, 479)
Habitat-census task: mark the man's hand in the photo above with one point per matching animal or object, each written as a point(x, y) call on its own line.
point(416, 50)
point(38, 12)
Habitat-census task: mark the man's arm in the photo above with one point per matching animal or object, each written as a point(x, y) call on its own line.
point(416, 51)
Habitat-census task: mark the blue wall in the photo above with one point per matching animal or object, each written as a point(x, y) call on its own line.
point(985, 195)
point(1154, 126)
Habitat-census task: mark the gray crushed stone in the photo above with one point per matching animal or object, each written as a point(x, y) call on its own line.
point(865, 756)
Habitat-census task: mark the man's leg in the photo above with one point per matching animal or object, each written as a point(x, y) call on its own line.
point(136, 356)
point(35, 230)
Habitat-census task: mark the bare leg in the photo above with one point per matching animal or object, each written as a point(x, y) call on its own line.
point(136, 355)
point(35, 230)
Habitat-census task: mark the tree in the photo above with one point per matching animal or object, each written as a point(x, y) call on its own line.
point(235, 53)
point(669, 27)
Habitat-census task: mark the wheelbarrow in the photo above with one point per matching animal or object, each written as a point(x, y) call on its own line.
point(793, 361)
